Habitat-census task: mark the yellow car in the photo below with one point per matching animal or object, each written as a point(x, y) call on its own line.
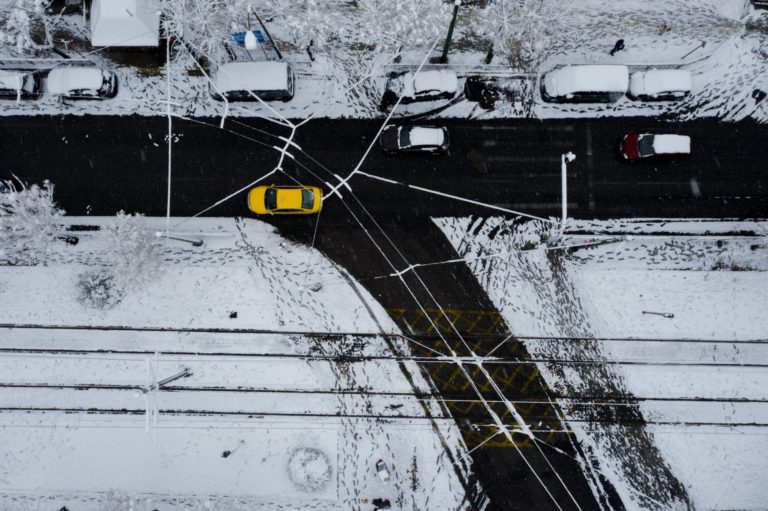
point(285, 200)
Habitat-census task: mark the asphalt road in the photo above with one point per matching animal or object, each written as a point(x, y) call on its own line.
point(102, 164)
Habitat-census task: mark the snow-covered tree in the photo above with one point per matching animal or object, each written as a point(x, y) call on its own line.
point(205, 25)
point(29, 220)
point(412, 24)
point(521, 29)
point(26, 25)
point(307, 22)
point(131, 251)
point(131, 261)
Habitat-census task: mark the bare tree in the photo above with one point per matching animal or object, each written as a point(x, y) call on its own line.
point(308, 22)
point(376, 23)
point(521, 29)
point(413, 24)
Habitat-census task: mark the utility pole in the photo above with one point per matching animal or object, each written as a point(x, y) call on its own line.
point(443, 59)
point(564, 160)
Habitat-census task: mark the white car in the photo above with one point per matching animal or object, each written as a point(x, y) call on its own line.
point(420, 139)
point(660, 84)
point(77, 82)
point(585, 83)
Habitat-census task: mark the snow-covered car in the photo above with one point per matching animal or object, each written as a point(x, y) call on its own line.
point(637, 146)
point(285, 200)
point(660, 84)
point(18, 85)
point(588, 83)
point(240, 81)
point(80, 82)
point(423, 86)
point(417, 139)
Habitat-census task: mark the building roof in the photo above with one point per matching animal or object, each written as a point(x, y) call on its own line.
point(122, 23)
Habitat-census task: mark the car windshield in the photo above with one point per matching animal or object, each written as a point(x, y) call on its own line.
point(307, 199)
point(645, 146)
point(270, 199)
point(403, 140)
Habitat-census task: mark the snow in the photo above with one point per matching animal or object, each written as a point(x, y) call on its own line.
point(426, 136)
point(64, 80)
point(252, 76)
point(120, 23)
point(671, 144)
point(617, 298)
point(11, 80)
point(712, 278)
point(258, 362)
point(310, 469)
point(656, 81)
point(443, 81)
point(258, 259)
point(575, 79)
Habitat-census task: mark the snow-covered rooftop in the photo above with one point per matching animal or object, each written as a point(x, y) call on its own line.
point(125, 23)
point(656, 81)
point(253, 76)
point(575, 79)
point(672, 144)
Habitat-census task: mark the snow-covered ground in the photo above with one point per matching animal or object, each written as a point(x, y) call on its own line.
point(714, 288)
point(729, 71)
point(243, 267)
point(268, 417)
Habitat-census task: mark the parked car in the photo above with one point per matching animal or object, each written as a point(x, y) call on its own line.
point(285, 200)
point(638, 146)
point(240, 81)
point(419, 139)
point(79, 82)
point(18, 85)
point(597, 84)
point(660, 84)
point(485, 91)
point(423, 86)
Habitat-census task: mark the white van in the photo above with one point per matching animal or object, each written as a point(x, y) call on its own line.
point(599, 83)
point(239, 81)
point(660, 84)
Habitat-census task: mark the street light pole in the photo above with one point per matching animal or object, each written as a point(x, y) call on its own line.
point(564, 160)
point(444, 57)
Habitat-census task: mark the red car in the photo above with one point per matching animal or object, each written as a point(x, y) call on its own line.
point(637, 146)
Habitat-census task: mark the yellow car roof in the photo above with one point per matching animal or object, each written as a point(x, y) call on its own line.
point(289, 198)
